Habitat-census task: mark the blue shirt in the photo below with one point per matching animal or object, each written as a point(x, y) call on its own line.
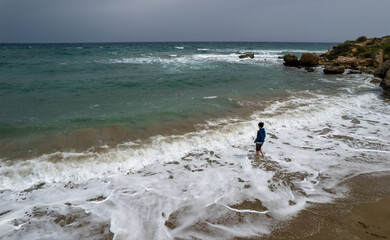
point(260, 135)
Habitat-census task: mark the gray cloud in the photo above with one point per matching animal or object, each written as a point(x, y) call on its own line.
point(190, 20)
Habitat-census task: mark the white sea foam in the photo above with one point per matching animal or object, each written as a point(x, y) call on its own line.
point(197, 61)
point(313, 143)
point(205, 60)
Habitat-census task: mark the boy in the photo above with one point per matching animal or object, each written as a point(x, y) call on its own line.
point(260, 139)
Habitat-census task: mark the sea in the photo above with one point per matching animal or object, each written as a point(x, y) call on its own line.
point(156, 140)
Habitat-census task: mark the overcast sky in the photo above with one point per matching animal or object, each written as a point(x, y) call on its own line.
point(192, 20)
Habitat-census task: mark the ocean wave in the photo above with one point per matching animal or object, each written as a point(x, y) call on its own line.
point(296, 113)
point(230, 56)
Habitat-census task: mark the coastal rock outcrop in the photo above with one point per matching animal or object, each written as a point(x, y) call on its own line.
point(383, 72)
point(385, 84)
point(334, 69)
point(382, 69)
point(291, 61)
point(247, 55)
point(368, 55)
point(309, 60)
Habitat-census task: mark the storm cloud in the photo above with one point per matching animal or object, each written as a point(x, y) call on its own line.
point(191, 20)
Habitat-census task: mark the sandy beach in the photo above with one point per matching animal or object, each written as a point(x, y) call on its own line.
point(365, 214)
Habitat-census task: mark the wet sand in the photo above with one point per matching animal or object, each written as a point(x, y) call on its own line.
point(364, 214)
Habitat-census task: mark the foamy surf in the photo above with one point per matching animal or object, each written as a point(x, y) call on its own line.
point(204, 59)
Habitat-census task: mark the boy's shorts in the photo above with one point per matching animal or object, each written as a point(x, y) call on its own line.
point(258, 146)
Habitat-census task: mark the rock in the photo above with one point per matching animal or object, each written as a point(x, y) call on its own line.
point(324, 61)
point(247, 55)
point(378, 59)
point(385, 84)
point(376, 80)
point(309, 69)
point(280, 57)
point(382, 69)
point(368, 70)
point(354, 72)
point(309, 60)
point(365, 62)
point(334, 69)
point(291, 61)
point(347, 62)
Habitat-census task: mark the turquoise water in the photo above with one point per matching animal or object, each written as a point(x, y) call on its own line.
point(65, 87)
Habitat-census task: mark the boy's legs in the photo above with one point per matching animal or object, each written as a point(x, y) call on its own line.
point(258, 149)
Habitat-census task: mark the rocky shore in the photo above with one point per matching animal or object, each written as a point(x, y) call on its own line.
point(368, 55)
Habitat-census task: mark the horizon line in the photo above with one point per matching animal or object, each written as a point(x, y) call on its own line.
point(109, 42)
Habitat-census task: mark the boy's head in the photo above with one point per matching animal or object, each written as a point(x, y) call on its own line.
point(261, 124)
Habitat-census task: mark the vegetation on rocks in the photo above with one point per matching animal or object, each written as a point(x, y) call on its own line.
point(362, 47)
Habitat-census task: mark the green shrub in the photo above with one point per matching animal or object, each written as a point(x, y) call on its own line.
point(369, 52)
point(360, 50)
point(386, 49)
point(361, 39)
point(340, 50)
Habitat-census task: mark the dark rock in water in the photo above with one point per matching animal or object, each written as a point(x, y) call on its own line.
point(309, 60)
point(309, 69)
point(382, 69)
point(367, 70)
point(376, 80)
point(248, 55)
point(354, 72)
point(385, 84)
point(334, 69)
point(291, 61)
point(280, 57)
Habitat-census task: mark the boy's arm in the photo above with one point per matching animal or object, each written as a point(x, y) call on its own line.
point(257, 137)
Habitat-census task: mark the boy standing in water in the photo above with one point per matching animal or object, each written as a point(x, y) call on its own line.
point(260, 139)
